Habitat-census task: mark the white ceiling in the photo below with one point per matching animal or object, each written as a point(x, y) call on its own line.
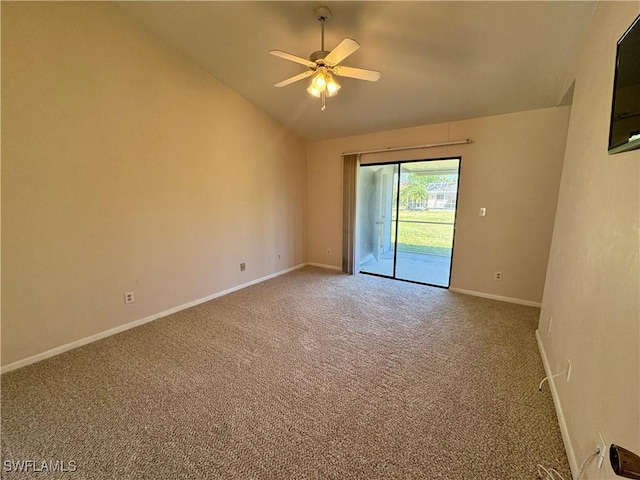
point(440, 61)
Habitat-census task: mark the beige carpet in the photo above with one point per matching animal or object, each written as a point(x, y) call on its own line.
point(313, 374)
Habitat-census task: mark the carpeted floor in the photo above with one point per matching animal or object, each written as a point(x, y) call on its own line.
point(313, 374)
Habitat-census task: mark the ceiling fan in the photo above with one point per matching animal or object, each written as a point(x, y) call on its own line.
point(322, 65)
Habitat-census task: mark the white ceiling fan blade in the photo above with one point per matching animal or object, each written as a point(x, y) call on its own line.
point(292, 58)
point(359, 73)
point(294, 79)
point(345, 48)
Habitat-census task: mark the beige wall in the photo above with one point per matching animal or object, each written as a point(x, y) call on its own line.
point(592, 289)
point(512, 168)
point(126, 167)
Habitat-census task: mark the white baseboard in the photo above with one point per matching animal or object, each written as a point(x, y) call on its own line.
point(121, 328)
point(519, 301)
point(568, 446)
point(322, 265)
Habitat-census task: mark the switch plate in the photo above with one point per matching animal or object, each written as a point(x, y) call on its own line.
point(328, 251)
point(483, 211)
point(243, 267)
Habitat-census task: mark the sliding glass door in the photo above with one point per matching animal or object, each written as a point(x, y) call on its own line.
point(406, 219)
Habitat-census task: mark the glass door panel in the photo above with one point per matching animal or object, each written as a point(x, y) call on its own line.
point(377, 200)
point(428, 198)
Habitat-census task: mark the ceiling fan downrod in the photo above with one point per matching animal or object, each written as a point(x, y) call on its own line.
point(322, 20)
point(322, 14)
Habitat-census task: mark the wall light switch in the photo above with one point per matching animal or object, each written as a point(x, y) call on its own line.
point(483, 211)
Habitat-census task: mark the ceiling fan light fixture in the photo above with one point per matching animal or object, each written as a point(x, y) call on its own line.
point(332, 86)
point(319, 81)
point(313, 90)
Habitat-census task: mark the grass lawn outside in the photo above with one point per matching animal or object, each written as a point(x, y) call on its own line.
point(445, 216)
point(426, 238)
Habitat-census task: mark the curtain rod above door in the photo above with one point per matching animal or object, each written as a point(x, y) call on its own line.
point(413, 147)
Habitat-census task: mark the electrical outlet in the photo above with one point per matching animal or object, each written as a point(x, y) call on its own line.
point(328, 251)
point(243, 267)
point(129, 298)
point(568, 369)
point(278, 256)
point(550, 323)
point(497, 276)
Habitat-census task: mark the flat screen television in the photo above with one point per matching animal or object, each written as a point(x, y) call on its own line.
point(624, 132)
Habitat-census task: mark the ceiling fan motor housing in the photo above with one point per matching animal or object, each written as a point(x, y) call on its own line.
point(319, 55)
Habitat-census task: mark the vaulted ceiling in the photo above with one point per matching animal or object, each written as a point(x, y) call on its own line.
point(440, 61)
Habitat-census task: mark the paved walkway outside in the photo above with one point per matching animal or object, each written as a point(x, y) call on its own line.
point(418, 267)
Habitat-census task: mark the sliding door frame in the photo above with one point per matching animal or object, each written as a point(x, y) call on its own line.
point(399, 164)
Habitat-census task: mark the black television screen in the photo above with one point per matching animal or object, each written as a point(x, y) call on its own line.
point(624, 132)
